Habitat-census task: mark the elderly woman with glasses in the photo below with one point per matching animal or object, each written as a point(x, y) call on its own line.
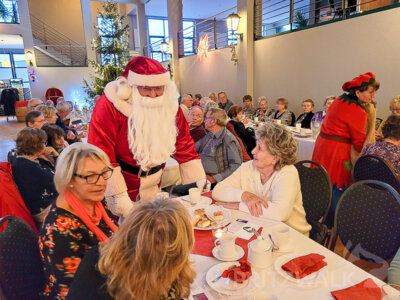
point(77, 220)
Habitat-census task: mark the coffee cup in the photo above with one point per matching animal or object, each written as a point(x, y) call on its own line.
point(298, 127)
point(226, 244)
point(279, 122)
point(194, 195)
point(255, 119)
point(303, 132)
point(280, 235)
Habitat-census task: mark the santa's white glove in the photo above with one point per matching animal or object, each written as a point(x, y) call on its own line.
point(201, 184)
point(120, 204)
point(116, 194)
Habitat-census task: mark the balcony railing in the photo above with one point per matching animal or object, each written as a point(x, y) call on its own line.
point(276, 16)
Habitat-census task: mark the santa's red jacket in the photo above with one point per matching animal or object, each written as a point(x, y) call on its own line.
point(108, 130)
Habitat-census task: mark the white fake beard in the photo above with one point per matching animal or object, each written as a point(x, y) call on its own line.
point(152, 127)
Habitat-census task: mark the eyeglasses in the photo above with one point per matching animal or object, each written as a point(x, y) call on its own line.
point(208, 118)
point(40, 121)
point(94, 178)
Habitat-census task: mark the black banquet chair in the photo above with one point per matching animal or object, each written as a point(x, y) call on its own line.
point(316, 190)
point(21, 268)
point(367, 221)
point(370, 167)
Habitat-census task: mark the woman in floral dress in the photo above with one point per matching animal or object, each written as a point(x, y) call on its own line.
point(77, 220)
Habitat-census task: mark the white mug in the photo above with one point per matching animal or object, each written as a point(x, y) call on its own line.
point(279, 122)
point(303, 132)
point(298, 127)
point(255, 119)
point(280, 235)
point(226, 244)
point(195, 195)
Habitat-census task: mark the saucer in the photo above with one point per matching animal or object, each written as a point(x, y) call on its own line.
point(239, 254)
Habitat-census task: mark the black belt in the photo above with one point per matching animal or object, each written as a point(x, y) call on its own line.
point(137, 170)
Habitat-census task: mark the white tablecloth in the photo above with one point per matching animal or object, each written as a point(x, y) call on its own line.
point(305, 148)
point(341, 273)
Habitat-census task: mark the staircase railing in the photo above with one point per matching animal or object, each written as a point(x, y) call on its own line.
point(57, 45)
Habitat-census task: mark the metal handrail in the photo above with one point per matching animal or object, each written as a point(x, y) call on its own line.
point(311, 13)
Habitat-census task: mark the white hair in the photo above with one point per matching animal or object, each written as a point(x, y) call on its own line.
point(152, 126)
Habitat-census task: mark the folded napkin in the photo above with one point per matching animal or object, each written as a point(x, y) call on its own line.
point(365, 290)
point(302, 266)
point(240, 273)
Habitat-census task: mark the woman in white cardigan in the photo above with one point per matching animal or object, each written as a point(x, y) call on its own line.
point(269, 185)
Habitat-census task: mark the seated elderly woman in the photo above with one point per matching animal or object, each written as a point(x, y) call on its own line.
point(320, 115)
point(147, 258)
point(33, 177)
point(262, 112)
point(305, 118)
point(77, 220)
point(55, 137)
point(195, 121)
point(209, 105)
point(203, 102)
point(282, 113)
point(389, 147)
point(49, 112)
point(235, 113)
point(394, 107)
point(269, 185)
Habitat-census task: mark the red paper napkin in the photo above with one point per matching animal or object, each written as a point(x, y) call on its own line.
point(240, 273)
point(302, 266)
point(365, 290)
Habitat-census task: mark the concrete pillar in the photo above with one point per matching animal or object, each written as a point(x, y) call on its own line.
point(142, 28)
point(174, 8)
point(88, 28)
point(245, 49)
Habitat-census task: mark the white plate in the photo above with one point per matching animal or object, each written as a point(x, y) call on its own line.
point(230, 287)
point(209, 210)
point(204, 201)
point(312, 278)
point(238, 255)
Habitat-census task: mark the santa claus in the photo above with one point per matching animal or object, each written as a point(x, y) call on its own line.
point(138, 123)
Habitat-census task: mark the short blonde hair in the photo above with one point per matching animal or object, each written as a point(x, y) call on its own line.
point(71, 158)
point(47, 111)
point(395, 102)
point(284, 101)
point(149, 254)
point(219, 115)
point(280, 142)
point(209, 105)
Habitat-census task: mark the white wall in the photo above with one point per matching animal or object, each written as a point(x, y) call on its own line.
point(215, 73)
point(312, 63)
point(67, 79)
point(316, 62)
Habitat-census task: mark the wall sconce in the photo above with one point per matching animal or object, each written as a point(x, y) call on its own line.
point(29, 56)
point(164, 47)
point(232, 22)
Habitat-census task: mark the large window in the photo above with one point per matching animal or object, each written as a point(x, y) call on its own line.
point(158, 32)
point(9, 11)
point(13, 65)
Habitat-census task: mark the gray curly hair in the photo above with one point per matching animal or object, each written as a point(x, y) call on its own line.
point(278, 141)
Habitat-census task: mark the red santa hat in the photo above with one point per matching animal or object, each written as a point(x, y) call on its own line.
point(360, 81)
point(144, 71)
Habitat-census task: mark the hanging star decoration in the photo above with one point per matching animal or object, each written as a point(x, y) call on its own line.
point(202, 48)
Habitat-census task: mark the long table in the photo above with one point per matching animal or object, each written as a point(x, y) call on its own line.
point(341, 273)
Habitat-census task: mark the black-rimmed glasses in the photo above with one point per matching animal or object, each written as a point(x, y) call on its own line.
point(94, 178)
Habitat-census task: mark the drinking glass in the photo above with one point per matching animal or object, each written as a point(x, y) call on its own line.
point(315, 128)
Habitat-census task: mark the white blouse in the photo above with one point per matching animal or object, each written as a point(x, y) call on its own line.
point(281, 192)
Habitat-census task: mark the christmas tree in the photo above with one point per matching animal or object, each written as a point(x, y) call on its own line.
point(111, 44)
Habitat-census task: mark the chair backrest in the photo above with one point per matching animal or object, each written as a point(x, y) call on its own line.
point(378, 122)
point(316, 189)
point(370, 167)
point(11, 202)
point(53, 94)
point(21, 268)
point(367, 220)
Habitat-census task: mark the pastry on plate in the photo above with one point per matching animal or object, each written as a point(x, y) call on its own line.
point(218, 216)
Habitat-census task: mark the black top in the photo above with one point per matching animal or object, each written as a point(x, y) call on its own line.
point(35, 183)
point(60, 123)
point(247, 139)
point(89, 283)
point(305, 119)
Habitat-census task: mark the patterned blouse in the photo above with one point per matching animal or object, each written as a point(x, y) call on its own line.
point(63, 242)
point(388, 151)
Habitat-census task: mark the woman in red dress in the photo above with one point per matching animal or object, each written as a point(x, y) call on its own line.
point(342, 130)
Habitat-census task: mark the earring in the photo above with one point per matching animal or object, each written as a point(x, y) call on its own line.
point(71, 186)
